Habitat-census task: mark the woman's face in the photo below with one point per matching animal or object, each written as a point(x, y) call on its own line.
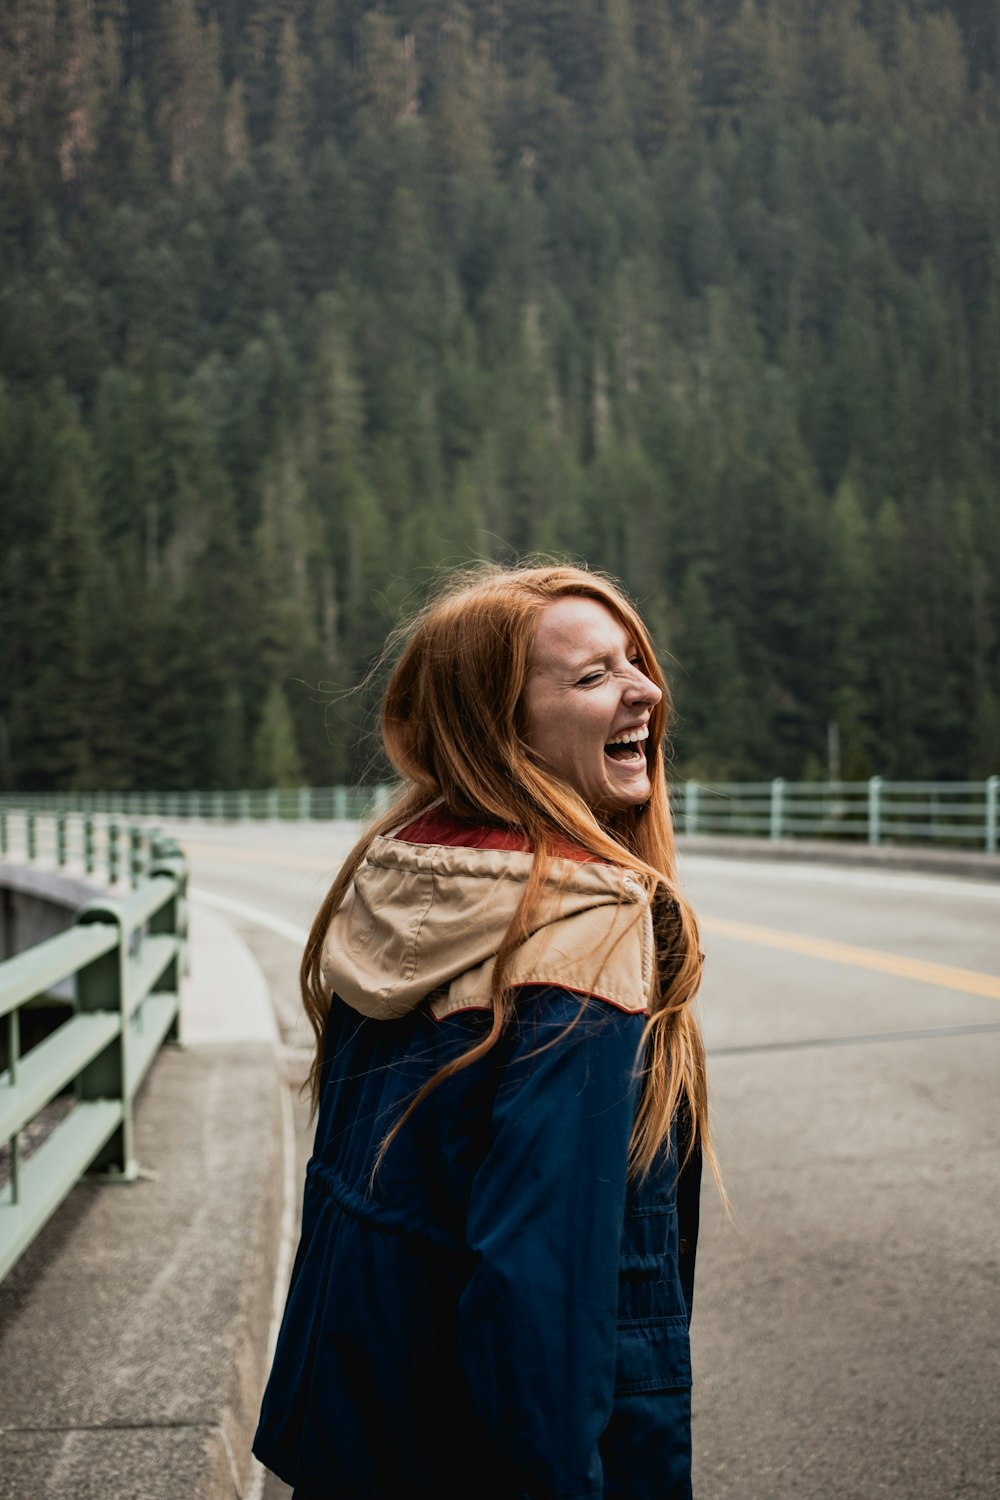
point(587, 704)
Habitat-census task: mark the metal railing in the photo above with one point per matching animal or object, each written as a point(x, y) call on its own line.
point(325, 803)
point(121, 962)
point(97, 847)
point(877, 811)
point(964, 813)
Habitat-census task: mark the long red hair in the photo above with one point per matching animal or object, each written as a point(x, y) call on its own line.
point(453, 727)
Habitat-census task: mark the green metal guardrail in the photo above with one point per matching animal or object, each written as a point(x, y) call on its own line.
point(878, 811)
point(961, 813)
point(124, 955)
point(97, 846)
point(325, 803)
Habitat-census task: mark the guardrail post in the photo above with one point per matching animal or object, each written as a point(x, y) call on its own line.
point(60, 838)
point(305, 799)
point(874, 809)
point(992, 812)
point(135, 860)
point(340, 803)
point(31, 835)
point(88, 844)
point(3, 830)
point(102, 986)
point(113, 853)
point(13, 1058)
point(691, 790)
point(167, 858)
point(777, 806)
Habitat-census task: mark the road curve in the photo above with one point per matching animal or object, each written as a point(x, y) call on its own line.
point(847, 1323)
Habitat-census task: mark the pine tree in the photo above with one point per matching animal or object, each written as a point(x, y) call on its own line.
point(191, 106)
point(235, 135)
point(83, 91)
point(228, 749)
point(290, 110)
point(274, 757)
point(60, 714)
point(718, 734)
point(389, 90)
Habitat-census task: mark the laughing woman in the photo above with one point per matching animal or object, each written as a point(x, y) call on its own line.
point(492, 1292)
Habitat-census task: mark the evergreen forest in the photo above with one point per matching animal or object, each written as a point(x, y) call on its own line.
point(305, 302)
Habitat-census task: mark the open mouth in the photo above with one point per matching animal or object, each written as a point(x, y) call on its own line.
point(630, 747)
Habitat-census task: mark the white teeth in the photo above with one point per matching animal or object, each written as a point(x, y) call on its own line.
point(632, 737)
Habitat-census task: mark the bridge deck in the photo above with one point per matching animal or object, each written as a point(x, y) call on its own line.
point(853, 1064)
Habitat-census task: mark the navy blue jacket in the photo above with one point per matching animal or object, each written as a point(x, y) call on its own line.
point(503, 1313)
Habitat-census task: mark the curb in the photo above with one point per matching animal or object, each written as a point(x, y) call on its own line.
point(962, 862)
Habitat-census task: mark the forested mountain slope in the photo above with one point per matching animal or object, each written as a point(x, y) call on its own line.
point(303, 300)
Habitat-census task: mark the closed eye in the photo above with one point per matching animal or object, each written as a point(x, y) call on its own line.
point(591, 677)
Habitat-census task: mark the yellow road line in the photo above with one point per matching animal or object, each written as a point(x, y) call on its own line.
point(942, 975)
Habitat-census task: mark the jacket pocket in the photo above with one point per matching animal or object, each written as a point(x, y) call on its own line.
point(652, 1355)
point(649, 1285)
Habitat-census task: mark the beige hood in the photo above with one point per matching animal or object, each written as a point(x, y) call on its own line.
point(424, 921)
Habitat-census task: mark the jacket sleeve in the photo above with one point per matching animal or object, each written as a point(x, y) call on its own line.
point(538, 1315)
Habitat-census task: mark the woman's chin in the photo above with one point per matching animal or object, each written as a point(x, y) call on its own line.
point(618, 799)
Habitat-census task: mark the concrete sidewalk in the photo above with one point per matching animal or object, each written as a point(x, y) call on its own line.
point(134, 1332)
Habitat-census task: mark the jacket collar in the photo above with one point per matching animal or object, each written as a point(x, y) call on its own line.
point(425, 918)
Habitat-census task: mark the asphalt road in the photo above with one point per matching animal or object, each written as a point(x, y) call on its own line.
point(847, 1324)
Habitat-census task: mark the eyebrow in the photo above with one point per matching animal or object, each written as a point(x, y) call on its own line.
point(630, 645)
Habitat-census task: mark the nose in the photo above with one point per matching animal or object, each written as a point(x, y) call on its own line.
point(642, 689)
